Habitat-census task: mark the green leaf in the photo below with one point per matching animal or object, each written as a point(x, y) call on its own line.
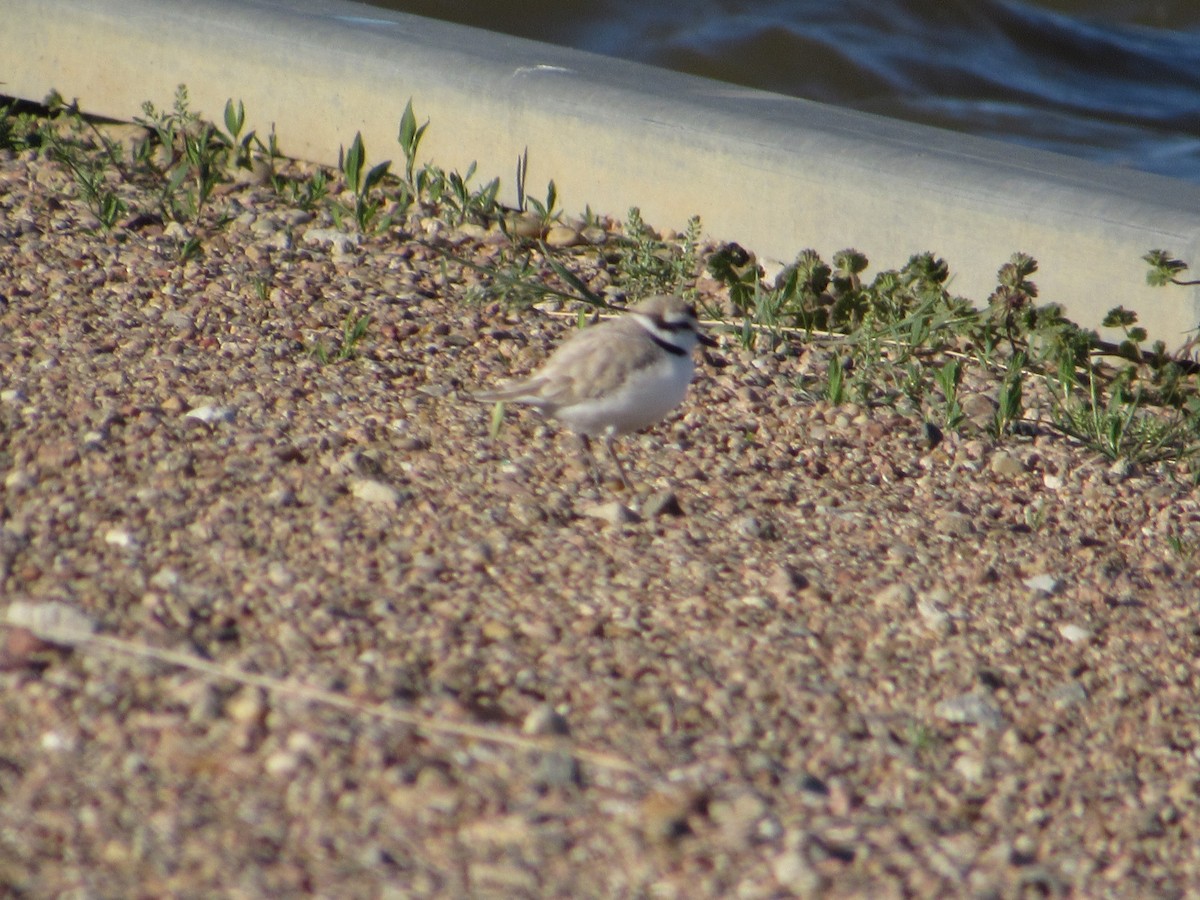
point(235, 118)
point(408, 127)
point(572, 279)
point(1119, 317)
point(353, 163)
point(375, 175)
point(410, 139)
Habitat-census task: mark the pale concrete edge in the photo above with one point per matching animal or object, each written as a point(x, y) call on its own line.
point(857, 176)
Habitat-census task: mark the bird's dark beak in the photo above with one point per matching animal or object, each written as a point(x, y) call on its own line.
point(708, 341)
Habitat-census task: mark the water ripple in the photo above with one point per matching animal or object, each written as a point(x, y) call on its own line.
point(1104, 86)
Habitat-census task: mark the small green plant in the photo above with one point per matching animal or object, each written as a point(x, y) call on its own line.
point(1182, 548)
point(354, 329)
point(20, 126)
point(362, 182)
point(410, 141)
point(1119, 425)
point(546, 212)
point(309, 193)
point(1011, 304)
point(1165, 269)
point(449, 194)
point(649, 265)
point(1034, 515)
point(921, 739)
point(948, 377)
point(1009, 404)
point(189, 248)
point(93, 172)
point(262, 287)
point(241, 146)
point(91, 178)
point(1135, 335)
point(731, 265)
point(467, 204)
point(190, 160)
point(835, 387)
point(527, 274)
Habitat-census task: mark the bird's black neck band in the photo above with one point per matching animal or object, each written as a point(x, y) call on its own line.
point(667, 345)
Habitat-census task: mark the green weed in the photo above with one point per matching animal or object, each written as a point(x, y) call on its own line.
point(361, 183)
point(835, 388)
point(648, 265)
point(94, 172)
point(354, 329)
point(187, 155)
point(896, 337)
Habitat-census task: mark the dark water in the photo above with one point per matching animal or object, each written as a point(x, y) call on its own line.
point(1116, 81)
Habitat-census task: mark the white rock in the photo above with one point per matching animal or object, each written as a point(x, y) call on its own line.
point(176, 230)
point(341, 241)
point(55, 622)
point(1006, 465)
point(1070, 693)
point(545, 719)
point(57, 742)
point(896, 595)
point(280, 240)
point(796, 874)
point(562, 236)
point(18, 480)
point(614, 512)
point(370, 491)
point(211, 413)
point(933, 614)
point(281, 763)
point(1076, 634)
point(971, 767)
point(119, 537)
point(165, 579)
point(1046, 584)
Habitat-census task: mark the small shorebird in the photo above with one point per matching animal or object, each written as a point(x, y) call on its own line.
point(619, 376)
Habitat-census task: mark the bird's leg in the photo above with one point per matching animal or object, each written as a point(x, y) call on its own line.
point(586, 442)
point(608, 445)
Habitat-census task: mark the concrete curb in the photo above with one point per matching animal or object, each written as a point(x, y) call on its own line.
point(774, 173)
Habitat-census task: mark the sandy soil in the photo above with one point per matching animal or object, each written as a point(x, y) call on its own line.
point(813, 656)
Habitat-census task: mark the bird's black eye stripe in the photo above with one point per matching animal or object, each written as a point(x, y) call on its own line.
point(688, 324)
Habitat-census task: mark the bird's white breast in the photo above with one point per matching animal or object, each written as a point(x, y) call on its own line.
point(643, 398)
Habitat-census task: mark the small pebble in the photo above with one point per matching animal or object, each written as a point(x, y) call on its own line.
point(211, 413)
point(971, 709)
point(613, 512)
point(1076, 634)
point(1043, 584)
point(370, 491)
point(662, 503)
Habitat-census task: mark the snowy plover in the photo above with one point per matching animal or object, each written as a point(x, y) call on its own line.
point(621, 375)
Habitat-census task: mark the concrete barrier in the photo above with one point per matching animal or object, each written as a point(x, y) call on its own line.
point(775, 173)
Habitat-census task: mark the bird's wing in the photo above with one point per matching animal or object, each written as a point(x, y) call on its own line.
point(589, 364)
point(595, 361)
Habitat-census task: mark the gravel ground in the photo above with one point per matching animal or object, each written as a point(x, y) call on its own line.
point(811, 657)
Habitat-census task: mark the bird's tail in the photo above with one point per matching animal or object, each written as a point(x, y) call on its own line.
point(520, 392)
